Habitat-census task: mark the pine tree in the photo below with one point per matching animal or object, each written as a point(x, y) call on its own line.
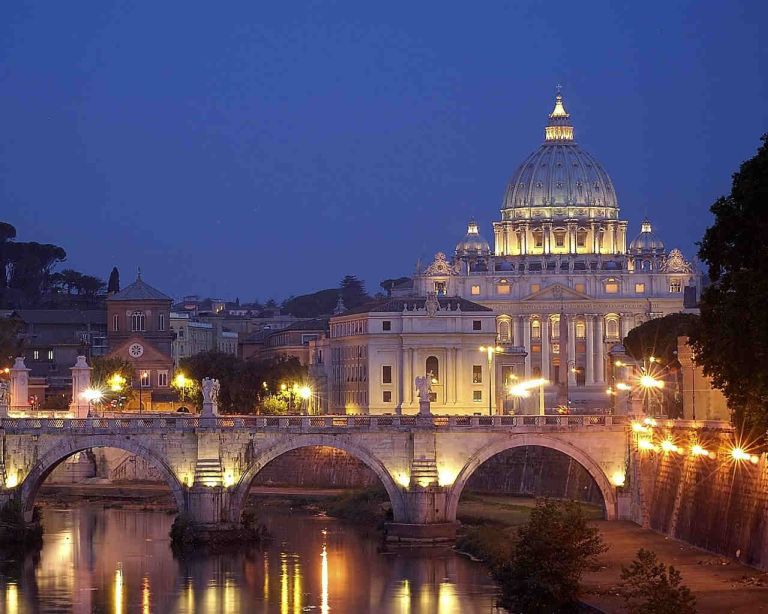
point(114, 281)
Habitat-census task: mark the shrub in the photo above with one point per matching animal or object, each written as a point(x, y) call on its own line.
point(649, 587)
point(552, 551)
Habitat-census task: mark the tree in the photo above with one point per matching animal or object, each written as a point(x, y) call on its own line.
point(552, 551)
point(113, 285)
point(649, 587)
point(731, 342)
point(353, 292)
point(104, 370)
point(7, 234)
point(10, 341)
point(658, 337)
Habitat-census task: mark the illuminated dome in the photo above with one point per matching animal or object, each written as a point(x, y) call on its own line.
point(560, 174)
point(646, 242)
point(473, 244)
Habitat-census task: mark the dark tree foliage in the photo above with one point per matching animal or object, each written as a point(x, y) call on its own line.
point(113, 285)
point(74, 282)
point(658, 337)
point(553, 550)
point(7, 234)
point(10, 342)
point(649, 587)
point(353, 292)
point(312, 305)
point(104, 367)
point(731, 342)
point(242, 381)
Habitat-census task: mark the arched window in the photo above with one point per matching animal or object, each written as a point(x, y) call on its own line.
point(504, 331)
point(581, 329)
point(581, 237)
point(535, 329)
point(612, 328)
point(555, 328)
point(138, 321)
point(161, 322)
point(432, 368)
point(115, 321)
point(559, 234)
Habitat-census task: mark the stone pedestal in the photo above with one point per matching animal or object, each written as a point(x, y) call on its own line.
point(425, 519)
point(19, 384)
point(425, 408)
point(81, 381)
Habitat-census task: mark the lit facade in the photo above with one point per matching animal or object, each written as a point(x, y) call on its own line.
point(561, 286)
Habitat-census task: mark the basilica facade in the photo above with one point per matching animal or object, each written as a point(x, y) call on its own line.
point(561, 284)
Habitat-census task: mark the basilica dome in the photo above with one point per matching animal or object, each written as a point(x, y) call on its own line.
point(473, 244)
point(646, 242)
point(560, 174)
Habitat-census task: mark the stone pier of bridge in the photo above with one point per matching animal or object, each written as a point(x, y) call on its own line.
point(423, 462)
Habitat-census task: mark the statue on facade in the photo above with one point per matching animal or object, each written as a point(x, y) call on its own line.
point(432, 305)
point(5, 396)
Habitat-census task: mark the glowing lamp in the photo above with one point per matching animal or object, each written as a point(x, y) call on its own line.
point(305, 392)
point(618, 478)
point(739, 454)
point(645, 444)
point(668, 446)
point(697, 450)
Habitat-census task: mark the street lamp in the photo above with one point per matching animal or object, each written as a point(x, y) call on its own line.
point(92, 395)
point(143, 375)
point(523, 390)
point(305, 393)
point(491, 351)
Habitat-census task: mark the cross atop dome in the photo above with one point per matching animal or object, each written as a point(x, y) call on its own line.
point(559, 127)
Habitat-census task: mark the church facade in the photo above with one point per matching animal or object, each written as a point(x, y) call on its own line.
point(561, 284)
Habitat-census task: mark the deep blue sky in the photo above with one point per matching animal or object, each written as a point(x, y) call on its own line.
point(258, 149)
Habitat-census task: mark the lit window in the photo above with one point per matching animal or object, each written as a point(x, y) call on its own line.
point(477, 396)
point(386, 325)
point(538, 238)
point(35, 354)
point(477, 325)
point(581, 238)
point(162, 378)
point(144, 379)
point(675, 285)
point(386, 396)
point(475, 290)
point(386, 374)
point(612, 329)
point(555, 327)
point(502, 289)
point(639, 288)
point(432, 368)
point(580, 288)
point(138, 321)
point(559, 238)
point(611, 286)
point(535, 329)
point(581, 330)
point(115, 322)
point(50, 354)
point(440, 288)
point(535, 288)
point(477, 374)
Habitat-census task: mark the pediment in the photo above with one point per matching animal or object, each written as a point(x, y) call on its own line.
point(557, 292)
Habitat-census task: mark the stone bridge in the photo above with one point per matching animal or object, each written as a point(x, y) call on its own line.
point(423, 463)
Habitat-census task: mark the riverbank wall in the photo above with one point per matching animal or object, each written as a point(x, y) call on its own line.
point(712, 500)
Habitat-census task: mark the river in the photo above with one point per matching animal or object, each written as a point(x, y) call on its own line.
point(119, 561)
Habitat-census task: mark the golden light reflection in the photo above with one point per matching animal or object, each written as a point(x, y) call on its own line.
point(403, 479)
point(12, 599)
point(146, 608)
point(324, 609)
point(446, 476)
point(296, 586)
point(447, 599)
point(266, 577)
point(230, 596)
point(211, 597)
point(12, 480)
point(283, 584)
point(190, 591)
point(119, 589)
point(404, 596)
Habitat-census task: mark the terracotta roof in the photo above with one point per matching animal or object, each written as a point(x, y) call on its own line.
point(400, 304)
point(139, 290)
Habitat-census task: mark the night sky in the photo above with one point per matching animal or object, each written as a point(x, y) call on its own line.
point(256, 150)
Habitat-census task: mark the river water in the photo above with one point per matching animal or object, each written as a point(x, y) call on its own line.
point(119, 561)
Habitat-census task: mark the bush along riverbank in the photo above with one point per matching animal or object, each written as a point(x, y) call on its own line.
point(15, 532)
point(369, 506)
point(538, 566)
point(187, 536)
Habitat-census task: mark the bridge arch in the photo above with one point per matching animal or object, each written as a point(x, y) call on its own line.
point(64, 449)
point(530, 439)
point(294, 442)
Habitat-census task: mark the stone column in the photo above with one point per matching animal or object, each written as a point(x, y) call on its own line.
point(627, 324)
point(571, 238)
point(400, 381)
point(19, 384)
point(546, 230)
point(589, 371)
point(527, 344)
point(517, 335)
point(81, 380)
point(600, 353)
point(545, 368)
point(571, 350)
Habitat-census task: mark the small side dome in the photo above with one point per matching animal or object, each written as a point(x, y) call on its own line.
point(472, 244)
point(646, 242)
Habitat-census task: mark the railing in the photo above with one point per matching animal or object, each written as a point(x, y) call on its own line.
point(308, 423)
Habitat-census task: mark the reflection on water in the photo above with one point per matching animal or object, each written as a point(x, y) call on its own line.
point(120, 562)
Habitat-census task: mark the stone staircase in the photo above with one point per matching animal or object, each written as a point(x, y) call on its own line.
point(209, 472)
point(424, 472)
